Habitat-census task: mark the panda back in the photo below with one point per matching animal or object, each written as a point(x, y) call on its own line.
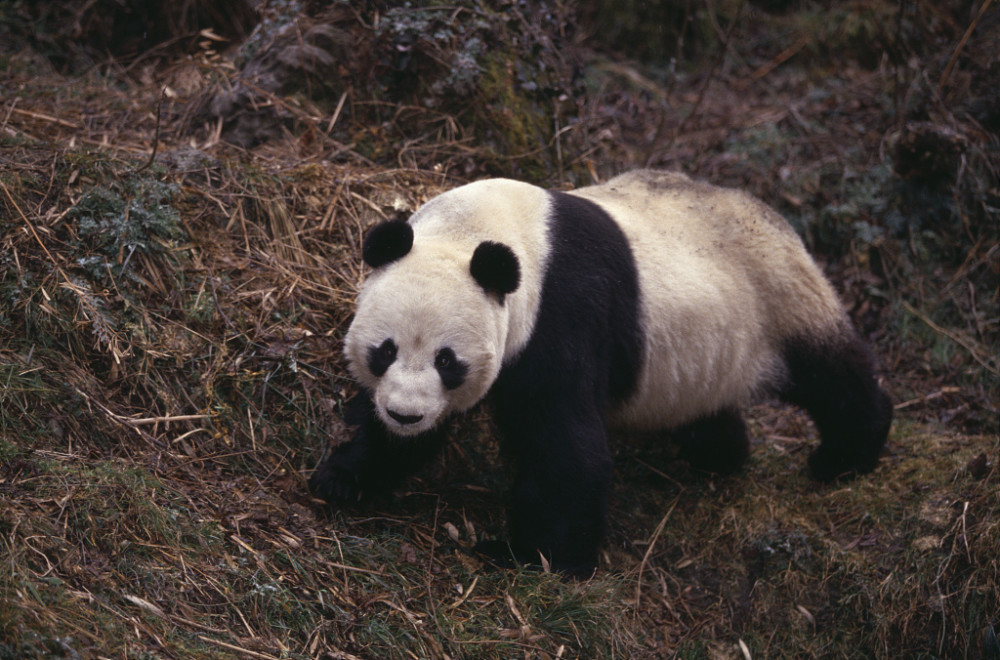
point(725, 284)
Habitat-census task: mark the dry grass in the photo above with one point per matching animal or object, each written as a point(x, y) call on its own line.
point(170, 371)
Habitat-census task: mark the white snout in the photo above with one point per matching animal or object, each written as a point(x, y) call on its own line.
point(410, 403)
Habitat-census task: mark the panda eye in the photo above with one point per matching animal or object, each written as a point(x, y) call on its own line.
point(444, 359)
point(387, 351)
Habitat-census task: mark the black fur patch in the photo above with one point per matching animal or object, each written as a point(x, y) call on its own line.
point(590, 299)
point(381, 357)
point(496, 268)
point(715, 443)
point(583, 357)
point(835, 383)
point(452, 370)
point(387, 242)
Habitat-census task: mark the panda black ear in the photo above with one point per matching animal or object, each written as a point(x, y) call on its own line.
point(495, 267)
point(386, 242)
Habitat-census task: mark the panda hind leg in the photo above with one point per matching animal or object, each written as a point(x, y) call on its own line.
point(835, 383)
point(717, 443)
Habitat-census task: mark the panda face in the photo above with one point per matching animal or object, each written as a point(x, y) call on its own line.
point(426, 340)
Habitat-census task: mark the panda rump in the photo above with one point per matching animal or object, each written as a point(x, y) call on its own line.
point(651, 301)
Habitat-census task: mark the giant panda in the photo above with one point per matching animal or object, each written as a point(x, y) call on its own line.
point(651, 302)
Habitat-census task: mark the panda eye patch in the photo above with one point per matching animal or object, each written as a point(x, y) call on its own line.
point(381, 356)
point(452, 370)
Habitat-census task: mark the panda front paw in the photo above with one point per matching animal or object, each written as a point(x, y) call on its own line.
point(354, 472)
point(827, 466)
point(337, 481)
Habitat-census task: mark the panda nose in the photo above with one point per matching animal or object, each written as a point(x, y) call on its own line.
point(404, 419)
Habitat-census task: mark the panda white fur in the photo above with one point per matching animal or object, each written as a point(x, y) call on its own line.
point(651, 301)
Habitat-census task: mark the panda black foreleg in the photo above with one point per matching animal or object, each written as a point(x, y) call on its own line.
point(558, 503)
point(836, 384)
point(374, 461)
point(716, 443)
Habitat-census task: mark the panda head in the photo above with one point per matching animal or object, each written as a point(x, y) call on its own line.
point(430, 326)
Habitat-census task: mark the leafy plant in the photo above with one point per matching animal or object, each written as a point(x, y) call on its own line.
point(117, 219)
